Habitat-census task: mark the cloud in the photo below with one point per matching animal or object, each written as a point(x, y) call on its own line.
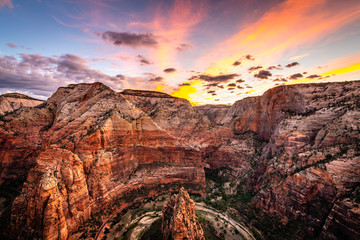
point(296, 76)
point(249, 57)
point(232, 85)
point(236, 63)
point(7, 3)
point(263, 74)
point(143, 61)
point(287, 25)
point(277, 67)
point(293, 64)
point(280, 80)
point(240, 81)
point(169, 70)
point(122, 77)
point(11, 45)
point(42, 75)
point(156, 79)
point(134, 40)
point(313, 76)
point(254, 68)
point(246, 57)
point(299, 56)
point(218, 79)
point(183, 47)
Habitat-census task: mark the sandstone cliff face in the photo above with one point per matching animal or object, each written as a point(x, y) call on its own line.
point(116, 147)
point(296, 147)
point(55, 197)
point(21, 134)
point(175, 115)
point(312, 157)
point(12, 101)
point(308, 161)
point(179, 221)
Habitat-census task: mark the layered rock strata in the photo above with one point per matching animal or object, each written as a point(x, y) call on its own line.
point(116, 147)
point(12, 101)
point(179, 220)
point(297, 148)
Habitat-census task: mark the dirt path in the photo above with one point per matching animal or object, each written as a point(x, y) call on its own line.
point(240, 227)
point(100, 232)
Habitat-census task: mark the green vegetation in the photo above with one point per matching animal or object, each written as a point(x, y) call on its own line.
point(243, 210)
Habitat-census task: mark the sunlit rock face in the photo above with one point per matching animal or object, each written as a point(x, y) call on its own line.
point(179, 220)
point(111, 147)
point(295, 147)
point(12, 101)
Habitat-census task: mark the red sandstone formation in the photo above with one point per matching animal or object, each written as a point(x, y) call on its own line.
point(179, 221)
point(296, 146)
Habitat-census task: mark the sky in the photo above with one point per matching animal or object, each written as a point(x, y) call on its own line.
point(207, 51)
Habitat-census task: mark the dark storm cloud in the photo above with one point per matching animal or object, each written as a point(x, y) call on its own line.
point(169, 70)
point(143, 61)
point(313, 76)
point(296, 76)
point(254, 68)
point(293, 64)
point(218, 78)
point(156, 79)
point(134, 40)
point(263, 74)
point(43, 75)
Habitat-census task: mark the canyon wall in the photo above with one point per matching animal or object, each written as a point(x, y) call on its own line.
point(92, 147)
point(296, 147)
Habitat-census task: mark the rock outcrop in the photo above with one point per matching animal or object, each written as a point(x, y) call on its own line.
point(296, 147)
point(12, 101)
point(179, 220)
point(116, 148)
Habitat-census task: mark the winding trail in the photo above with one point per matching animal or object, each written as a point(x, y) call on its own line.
point(240, 227)
point(99, 234)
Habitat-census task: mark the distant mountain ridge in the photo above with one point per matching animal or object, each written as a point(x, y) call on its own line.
point(12, 101)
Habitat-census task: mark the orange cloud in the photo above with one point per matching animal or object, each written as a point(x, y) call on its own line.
point(298, 56)
point(339, 71)
point(174, 26)
point(286, 26)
